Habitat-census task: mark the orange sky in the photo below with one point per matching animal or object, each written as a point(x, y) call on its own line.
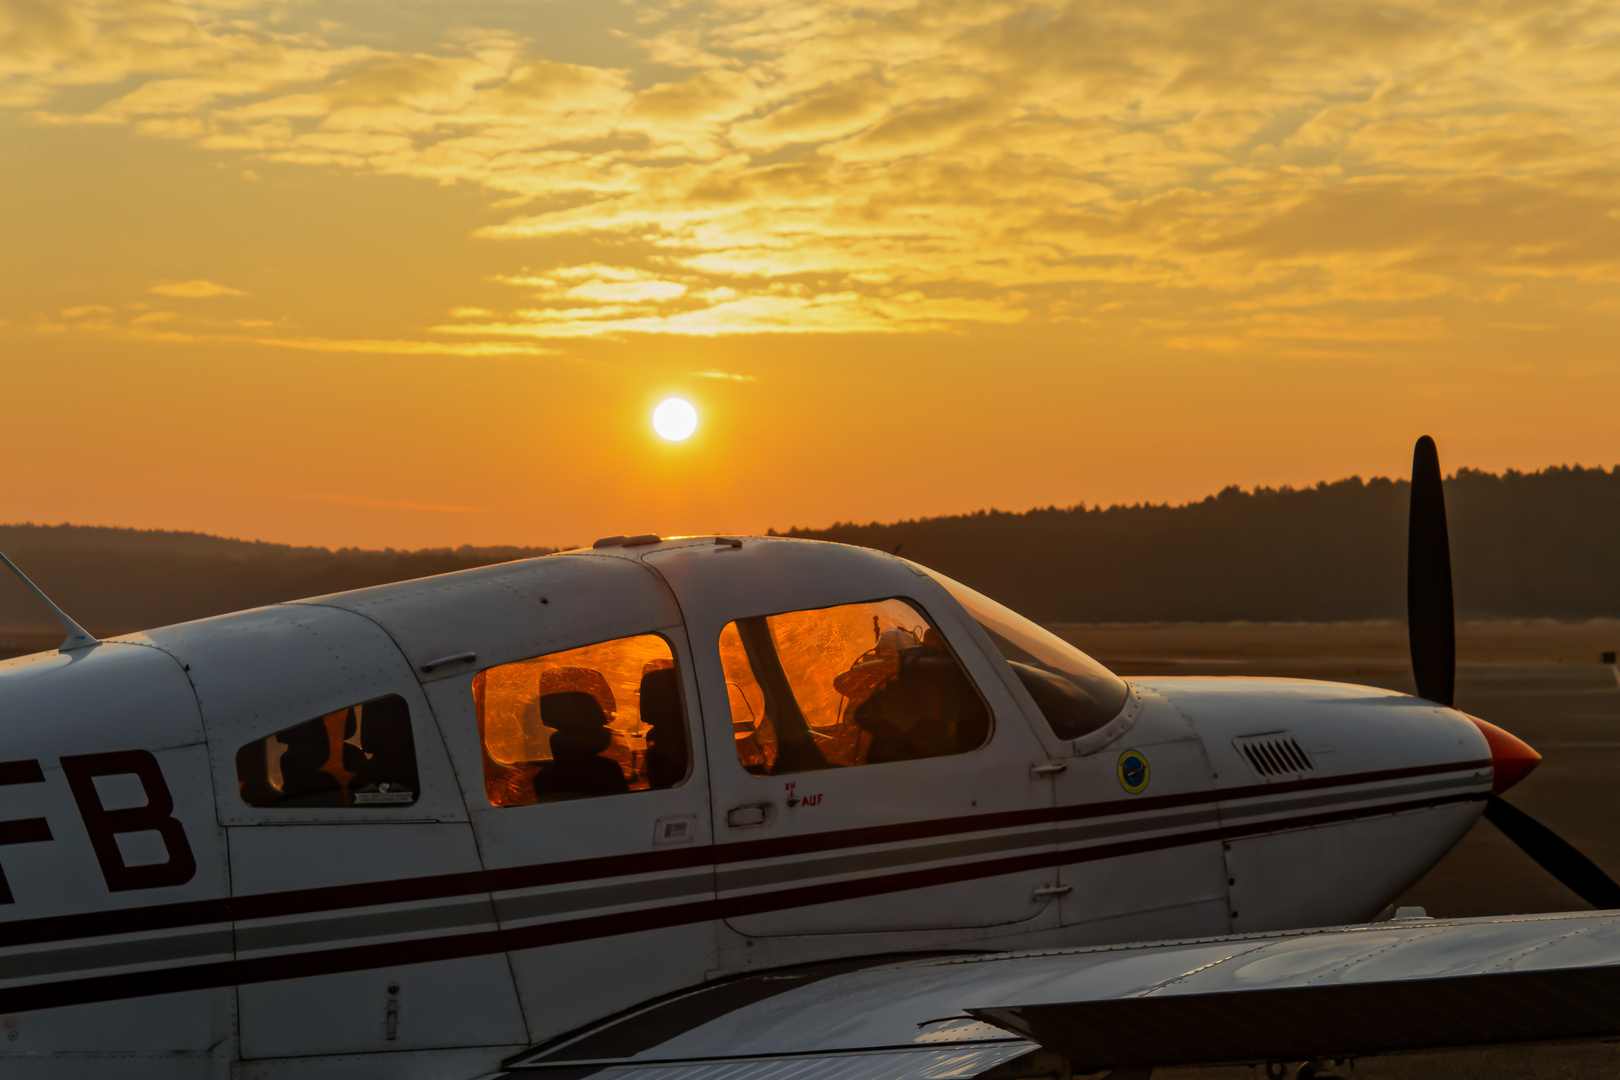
point(345, 272)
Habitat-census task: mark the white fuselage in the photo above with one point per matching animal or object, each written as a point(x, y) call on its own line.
point(160, 925)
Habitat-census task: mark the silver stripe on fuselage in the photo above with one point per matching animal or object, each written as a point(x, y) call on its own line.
point(464, 916)
point(423, 918)
point(1259, 806)
point(538, 905)
point(149, 950)
point(801, 869)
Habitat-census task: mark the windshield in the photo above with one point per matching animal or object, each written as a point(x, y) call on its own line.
point(1076, 694)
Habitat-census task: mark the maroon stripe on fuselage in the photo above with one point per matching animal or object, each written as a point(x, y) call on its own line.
point(440, 886)
point(484, 942)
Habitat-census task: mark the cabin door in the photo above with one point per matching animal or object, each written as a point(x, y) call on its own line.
point(564, 690)
point(870, 774)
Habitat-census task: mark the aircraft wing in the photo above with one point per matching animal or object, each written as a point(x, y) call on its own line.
point(1341, 992)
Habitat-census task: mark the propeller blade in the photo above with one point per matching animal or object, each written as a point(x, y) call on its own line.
point(1555, 855)
point(1430, 625)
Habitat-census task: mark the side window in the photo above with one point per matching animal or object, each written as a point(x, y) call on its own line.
point(857, 684)
point(601, 720)
point(362, 755)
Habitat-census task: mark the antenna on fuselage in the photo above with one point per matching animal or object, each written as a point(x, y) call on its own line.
point(78, 637)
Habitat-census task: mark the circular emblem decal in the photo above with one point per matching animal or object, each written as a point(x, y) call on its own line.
point(1133, 771)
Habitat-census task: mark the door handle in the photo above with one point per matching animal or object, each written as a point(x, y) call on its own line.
point(742, 816)
point(1046, 892)
point(1049, 768)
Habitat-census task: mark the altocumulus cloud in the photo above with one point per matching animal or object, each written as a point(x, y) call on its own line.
point(1253, 174)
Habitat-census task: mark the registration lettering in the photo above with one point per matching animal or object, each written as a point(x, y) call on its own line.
point(104, 826)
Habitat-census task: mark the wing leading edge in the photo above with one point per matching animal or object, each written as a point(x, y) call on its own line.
point(1348, 991)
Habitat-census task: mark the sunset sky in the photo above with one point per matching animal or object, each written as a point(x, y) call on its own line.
point(416, 273)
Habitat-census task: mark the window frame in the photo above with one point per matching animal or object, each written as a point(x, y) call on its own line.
point(932, 623)
point(417, 793)
point(485, 759)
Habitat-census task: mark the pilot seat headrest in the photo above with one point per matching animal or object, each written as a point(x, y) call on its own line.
point(580, 723)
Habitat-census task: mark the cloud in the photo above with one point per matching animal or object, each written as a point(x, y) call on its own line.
point(727, 375)
point(176, 327)
point(707, 96)
point(195, 290)
point(608, 292)
point(406, 348)
point(783, 312)
point(826, 114)
point(906, 166)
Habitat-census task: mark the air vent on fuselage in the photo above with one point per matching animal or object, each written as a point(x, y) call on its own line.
point(1274, 755)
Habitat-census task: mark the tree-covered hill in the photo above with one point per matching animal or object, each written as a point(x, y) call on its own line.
point(115, 580)
point(1543, 544)
point(1524, 545)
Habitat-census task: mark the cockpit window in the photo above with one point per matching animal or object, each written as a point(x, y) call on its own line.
point(362, 755)
point(1076, 694)
point(857, 684)
point(604, 719)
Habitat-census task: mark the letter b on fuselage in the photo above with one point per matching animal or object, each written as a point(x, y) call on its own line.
point(105, 826)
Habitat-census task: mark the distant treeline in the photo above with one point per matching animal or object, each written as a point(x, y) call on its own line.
point(1524, 545)
point(115, 580)
point(1527, 545)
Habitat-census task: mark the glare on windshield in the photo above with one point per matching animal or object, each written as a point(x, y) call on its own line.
point(1075, 693)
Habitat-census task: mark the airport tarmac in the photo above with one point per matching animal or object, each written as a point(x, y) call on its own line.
point(1543, 681)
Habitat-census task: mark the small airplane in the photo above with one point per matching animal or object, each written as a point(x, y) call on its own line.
point(745, 807)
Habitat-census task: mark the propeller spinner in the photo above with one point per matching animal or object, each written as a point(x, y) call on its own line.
point(1431, 629)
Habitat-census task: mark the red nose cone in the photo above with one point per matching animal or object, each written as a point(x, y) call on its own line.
point(1511, 757)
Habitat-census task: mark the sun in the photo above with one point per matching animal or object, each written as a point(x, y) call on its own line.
point(675, 419)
